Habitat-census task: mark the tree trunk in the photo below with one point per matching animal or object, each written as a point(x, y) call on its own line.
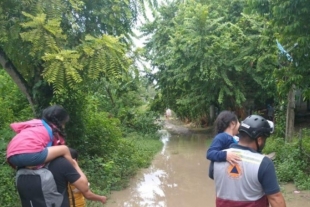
point(17, 78)
point(290, 115)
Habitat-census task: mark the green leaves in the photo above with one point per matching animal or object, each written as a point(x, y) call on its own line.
point(104, 55)
point(62, 66)
point(98, 56)
point(288, 22)
point(62, 69)
point(42, 33)
point(67, 42)
point(206, 55)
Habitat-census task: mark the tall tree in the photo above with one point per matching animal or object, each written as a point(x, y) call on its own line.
point(289, 20)
point(47, 47)
point(204, 59)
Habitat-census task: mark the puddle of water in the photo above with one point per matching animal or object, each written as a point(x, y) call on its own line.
point(178, 177)
point(293, 199)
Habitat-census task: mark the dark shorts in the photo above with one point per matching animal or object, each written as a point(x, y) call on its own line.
point(29, 159)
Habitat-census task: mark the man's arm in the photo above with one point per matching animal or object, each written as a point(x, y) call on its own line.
point(268, 179)
point(276, 200)
point(215, 152)
point(82, 185)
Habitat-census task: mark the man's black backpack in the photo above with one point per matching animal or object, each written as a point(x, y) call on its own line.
point(37, 188)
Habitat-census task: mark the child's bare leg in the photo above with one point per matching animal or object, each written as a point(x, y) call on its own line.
point(57, 151)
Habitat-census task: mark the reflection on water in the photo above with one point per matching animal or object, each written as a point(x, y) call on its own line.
point(150, 188)
point(164, 139)
point(176, 178)
point(148, 192)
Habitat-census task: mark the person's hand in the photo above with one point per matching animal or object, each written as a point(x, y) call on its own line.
point(232, 158)
point(103, 199)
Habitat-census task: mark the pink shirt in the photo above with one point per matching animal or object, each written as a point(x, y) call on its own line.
point(31, 137)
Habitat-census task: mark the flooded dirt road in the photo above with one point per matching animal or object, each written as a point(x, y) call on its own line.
point(178, 177)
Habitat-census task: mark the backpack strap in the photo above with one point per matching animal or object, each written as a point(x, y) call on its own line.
point(50, 133)
point(47, 166)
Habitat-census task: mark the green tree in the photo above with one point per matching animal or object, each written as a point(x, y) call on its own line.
point(204, 59)
point(49, 47)
point(290, 26)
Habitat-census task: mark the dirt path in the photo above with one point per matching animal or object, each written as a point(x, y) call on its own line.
point(178, 176)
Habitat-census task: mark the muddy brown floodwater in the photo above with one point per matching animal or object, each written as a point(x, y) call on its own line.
point(178, 177)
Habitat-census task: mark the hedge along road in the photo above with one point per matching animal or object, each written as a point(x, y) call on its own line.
point(178, 177)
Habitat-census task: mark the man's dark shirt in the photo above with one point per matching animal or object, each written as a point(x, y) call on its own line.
point(63, 172)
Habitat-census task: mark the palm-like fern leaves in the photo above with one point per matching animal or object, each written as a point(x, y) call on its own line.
point(94, 57)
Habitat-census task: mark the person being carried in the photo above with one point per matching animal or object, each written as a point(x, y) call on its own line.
point(75, 195)
point(226, 127)
point(36, 192)
point(39, 141)
point(253, 178)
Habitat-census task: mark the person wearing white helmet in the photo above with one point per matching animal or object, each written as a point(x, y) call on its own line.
point(252, 181)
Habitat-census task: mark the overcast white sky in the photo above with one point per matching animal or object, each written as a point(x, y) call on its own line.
point(139, 42)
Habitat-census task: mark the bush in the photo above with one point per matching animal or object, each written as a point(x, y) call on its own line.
point(139, 120)
point(108, 158)
point(291, 162)
point(9, 196)
point(13, 107)
point(13, 104)
point(144, 122)
point(146, 147)
point(102, 134)
point(113, 172)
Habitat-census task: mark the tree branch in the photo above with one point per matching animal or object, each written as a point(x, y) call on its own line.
point(9, 67)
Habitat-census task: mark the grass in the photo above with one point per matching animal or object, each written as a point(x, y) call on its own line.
point(136, 151)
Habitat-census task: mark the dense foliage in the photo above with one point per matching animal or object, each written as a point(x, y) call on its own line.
point(289, 21)
point(209, 53)
point(206, 54)
point(112, 147)
point(225, 54)
point(292, 159)
point(50, 47)
point(77, 53)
